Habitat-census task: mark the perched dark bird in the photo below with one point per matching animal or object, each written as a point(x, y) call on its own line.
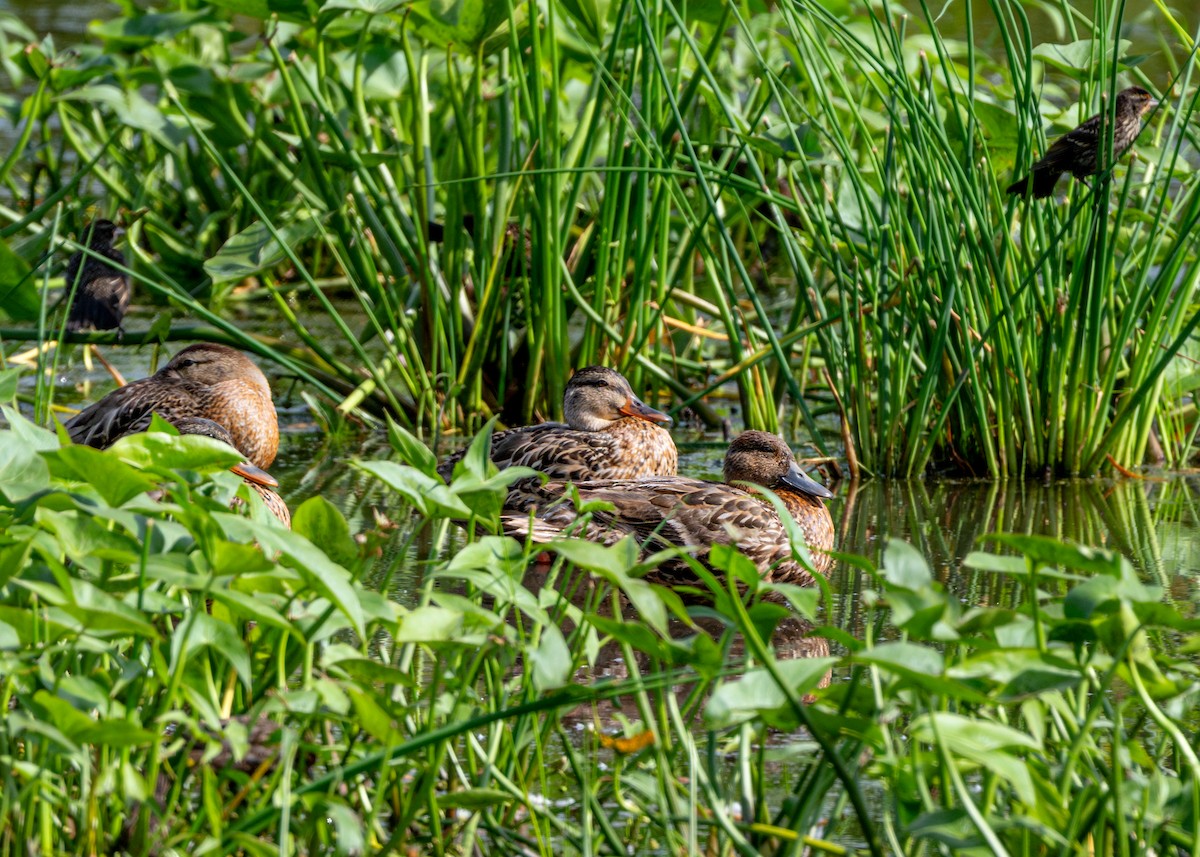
point(101, 291)
point(1077, 152)
point(676, 511)
point(609, 434)
point(261, 482)
point(207, 380)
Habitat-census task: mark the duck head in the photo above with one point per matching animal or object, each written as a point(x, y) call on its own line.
point(764, 459)
point(597, 396)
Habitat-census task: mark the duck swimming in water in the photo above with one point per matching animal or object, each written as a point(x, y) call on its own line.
point(609, 434)
point(206, 380)
point(676, 511)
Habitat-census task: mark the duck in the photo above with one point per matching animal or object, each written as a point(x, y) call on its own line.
point(261, 482)
point(609, 434)
point(677, 511)
point(101, 292)
point(206, 380)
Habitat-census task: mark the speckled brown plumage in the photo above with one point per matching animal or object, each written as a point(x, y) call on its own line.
point(258, 479)
point(661, 512)
point(1078, 151)
point(609, 434)
point(205, 380)
point(102, 292)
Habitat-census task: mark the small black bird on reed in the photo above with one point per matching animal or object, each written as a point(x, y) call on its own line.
point(101, 291)
point(1078, 151)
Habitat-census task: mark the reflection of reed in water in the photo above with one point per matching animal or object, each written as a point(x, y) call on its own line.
point(945, 521)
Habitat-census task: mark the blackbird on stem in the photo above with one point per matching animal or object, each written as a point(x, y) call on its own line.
point(102, 292)
point(1077, 152)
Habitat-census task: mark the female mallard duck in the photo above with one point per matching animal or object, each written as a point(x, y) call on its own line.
point(205, 380)
point(258, 479)
point(682, 512)
point(609, 434)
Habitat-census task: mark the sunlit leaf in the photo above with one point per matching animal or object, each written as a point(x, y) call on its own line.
point(254, 249)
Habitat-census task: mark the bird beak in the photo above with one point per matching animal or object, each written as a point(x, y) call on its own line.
point(635, 407)
point(798, 479)
point(118, 233)
point(257, 475)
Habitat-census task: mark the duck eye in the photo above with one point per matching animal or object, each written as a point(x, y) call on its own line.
point(601, 383)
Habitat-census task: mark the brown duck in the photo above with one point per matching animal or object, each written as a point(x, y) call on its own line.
point(258, 479)
point(101, 291)
point(676, 511)
point(207, 380)
point(609, 434)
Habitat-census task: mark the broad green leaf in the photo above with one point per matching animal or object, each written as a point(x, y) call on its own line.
point(904, 566)
point(551, 660)
point(254, 249)
point(296, 552)
point(758, 694)
point(134, 111)
point(114, 480)
point(464, 23)
point(19, 297)
point(1080, 58)
point(199, 631)
point(983, 743)
point(9, 383)
point(141, 30)
point(427, 494)
point(162, 452)
point(371, 717)
point(429, 624)
point(412, 451)
point(22, 470)
point(81, 728)
point(323, 524)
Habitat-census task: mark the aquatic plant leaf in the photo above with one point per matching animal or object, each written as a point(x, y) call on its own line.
point(22, 470)
point(9, 384)
point(254, 249)
point(199, 631)
point(429, 624)
point(85, 538)
point(348, 828)
point(412, 451)
point(904, 566)
point(113, 479)
point(134, 111)
point(758, 694)
point(322, 523)
point(19, 297)
point(466, 23)
point(591, 16)
point(9, 640)
point(162, 452)
point(373, 719)
point(79, 727)
point(251, 607)
point(983, 743)
point(1046, 551)
point(428, 495)
point(551, 660)
point(474, 799)
point(141, 30)
point(1079, 59)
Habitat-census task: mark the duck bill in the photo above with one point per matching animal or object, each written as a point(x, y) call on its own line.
point(802, 482)
point(254, 474)
point(635, 407)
